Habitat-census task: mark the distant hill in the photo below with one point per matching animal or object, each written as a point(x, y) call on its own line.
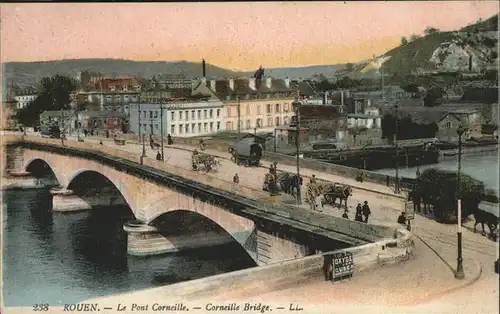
point(442, 51)
point(26, 73)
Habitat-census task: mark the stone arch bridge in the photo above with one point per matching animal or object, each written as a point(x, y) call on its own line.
point(154, 194)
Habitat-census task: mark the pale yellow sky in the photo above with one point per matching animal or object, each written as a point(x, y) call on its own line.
point(239, 36)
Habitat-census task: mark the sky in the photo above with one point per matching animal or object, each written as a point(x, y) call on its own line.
point(237, 36)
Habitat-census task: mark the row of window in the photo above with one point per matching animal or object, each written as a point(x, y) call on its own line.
point(183, 115)
point(230, 126)
point(269, 109)
point(187, 128)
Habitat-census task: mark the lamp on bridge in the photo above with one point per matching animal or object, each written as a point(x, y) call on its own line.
point(143, 147)
point(459, 274)
point(296, 107)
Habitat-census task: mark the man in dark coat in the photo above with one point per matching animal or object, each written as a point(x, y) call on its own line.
point(359, 215)
point(366, 212)
point(402, 218)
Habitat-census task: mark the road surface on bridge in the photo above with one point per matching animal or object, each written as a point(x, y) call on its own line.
point(253, 177)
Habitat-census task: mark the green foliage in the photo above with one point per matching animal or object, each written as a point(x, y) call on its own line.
point(439, 188)
point(54, 94)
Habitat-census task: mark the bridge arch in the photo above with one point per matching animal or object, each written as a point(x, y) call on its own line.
point(85, 181)
point(240, 228)
point(40, 168)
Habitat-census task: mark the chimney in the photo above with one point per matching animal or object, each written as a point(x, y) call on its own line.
point(325, 98)
point(251, 83)
point(269, 82)
point(204, 68)
point(231, 84)
point(212, 85)
point(470, 63)
point(342, 97)
point(287, 82)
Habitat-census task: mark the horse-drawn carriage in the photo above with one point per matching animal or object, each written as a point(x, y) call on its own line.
point(330, 191)
point(285, 182)
point(246, 152)
point(209, 162)
point(118, 140)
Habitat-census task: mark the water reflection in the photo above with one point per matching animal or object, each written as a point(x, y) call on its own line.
point(61, 258)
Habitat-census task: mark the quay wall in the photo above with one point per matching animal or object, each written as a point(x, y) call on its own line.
point(259, 280)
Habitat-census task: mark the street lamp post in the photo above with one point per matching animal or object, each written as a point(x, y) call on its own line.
point(239, 117)
point(161, 131)
point(459, 274)
point(62, 127)
point(296, 105)
point(396, 187)
point(139, 118)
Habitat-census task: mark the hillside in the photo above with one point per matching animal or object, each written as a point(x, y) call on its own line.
point(26, 73)
point(442, 51)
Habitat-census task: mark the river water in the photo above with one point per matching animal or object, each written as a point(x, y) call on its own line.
point(60, 258)
point(481, 166)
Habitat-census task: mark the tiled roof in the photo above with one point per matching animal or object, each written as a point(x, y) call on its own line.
point(241, 86)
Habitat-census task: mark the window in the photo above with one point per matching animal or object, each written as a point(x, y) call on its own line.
point(156, 126)
point(218, 113)
point(192, 115)
point(193, 127)
point(258, 109)
point(285, 121)
point(228, 112)
point(172, 129)
point(199, 127)
point(211, 113)
point(156, 114)
point(218, 126)
point(249, 125)
point(286, 107)
point(268, 109)
point(269, 121)
point(144, 114)
point(258, 123)
point(448, 125)
point(277, 121)
point(181, 128)
point(205, 114)
point(199, 114)
point(187, 127)
point(205, 127)
point(277, 108)
point(228, 126)
point(211, 126)
point(180, 115)
point(187, 115)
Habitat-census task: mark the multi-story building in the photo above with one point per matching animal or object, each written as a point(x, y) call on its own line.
point(182, 117)
point(24, 100)
point(111, 94)
point(264, 104)
point(54, 117)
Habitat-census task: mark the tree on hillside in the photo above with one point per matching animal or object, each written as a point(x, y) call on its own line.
point(53, 94)
point(438, 188)
point(430, 31)
point(433, 93)
point(414, 37)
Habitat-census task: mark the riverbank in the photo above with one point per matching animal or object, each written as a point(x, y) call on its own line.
point(470, 150)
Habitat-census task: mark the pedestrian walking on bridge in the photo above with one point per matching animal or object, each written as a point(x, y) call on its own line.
point(359, 215)
point(366, 212)
point(236, 179)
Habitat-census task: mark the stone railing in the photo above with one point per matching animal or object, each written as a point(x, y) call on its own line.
point(259, 280)
point(255, 198)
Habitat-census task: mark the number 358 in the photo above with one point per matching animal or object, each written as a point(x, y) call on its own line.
point(40, 307)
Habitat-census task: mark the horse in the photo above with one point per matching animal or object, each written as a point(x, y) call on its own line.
point(289, 183)
point(270, 185)
point(338, 191)
point(483, 217)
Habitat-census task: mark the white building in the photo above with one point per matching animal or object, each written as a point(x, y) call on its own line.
point(370, 119)
point(186, 118)
point(24, 100)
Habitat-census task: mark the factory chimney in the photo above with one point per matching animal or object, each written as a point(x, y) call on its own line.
point(204, 66)
point(470, 63)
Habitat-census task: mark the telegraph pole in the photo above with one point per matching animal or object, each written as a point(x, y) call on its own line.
point(62, 127)
point(297, 139)
point(239, 117)
point(396, 188)
point(139, 118)
point(161, 131)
